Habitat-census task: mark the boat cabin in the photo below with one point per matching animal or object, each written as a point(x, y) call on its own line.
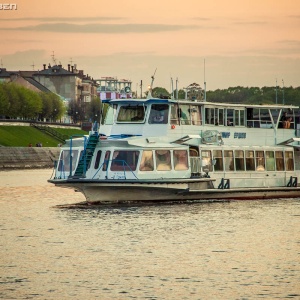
point(238, 124)
point(126, 159)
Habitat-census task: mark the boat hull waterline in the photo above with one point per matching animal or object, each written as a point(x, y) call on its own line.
point(101, 191)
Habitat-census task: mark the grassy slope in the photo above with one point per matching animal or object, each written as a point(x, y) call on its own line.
point(21, 136)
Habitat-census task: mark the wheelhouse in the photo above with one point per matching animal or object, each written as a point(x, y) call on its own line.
point(184, 112)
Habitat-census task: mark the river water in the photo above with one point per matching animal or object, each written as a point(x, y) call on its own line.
point(230, 250)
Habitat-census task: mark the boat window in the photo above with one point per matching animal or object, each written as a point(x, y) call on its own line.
point(253, 117)
point(147, 161)
point(163, 160)
point(159, 114)
point(239, 117)
point(194, 152)
point(260, 160)
point(190, 114)
point(195, 111)
point(124, 160)
point(242, 117)
point(229, 117)
point(180, 158)
point(108, 114)
point(270, 161)
point(210, 116)
point(279, 161)
point(239, 160)
point(289, 161)
point(228, 160)
point(131, 114)
point(64, 160)
point(206, 160)
point(185, 114)
point(174, 114)
point(106, 160)
point(221, 116)
point(217, 154)
point(250, 163)
point(97, 160)
point(249, 117)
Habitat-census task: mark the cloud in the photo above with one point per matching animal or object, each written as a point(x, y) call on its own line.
point(63, 19)
point(258, 23)
point(103, 28)
point(201, 19)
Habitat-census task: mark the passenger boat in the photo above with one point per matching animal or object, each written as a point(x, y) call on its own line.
point(178, 150)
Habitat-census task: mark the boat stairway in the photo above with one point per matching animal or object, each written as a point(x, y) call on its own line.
point(86, 157)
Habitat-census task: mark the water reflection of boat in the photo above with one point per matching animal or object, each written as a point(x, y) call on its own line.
point(161, 149)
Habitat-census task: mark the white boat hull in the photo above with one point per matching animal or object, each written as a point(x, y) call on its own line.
point(110, 192)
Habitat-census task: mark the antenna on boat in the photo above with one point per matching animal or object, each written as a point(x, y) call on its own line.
point(282, 92)
point(276, 91)
point(151, 85)
point(172, 89)
point(204, 83)
point(176, 88)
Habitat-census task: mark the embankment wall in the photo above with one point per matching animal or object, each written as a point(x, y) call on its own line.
point(28, 157)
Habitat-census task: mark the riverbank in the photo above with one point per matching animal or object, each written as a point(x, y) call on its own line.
point(12, 158)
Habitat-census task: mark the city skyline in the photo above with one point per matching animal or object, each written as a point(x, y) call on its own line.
point(246, 43)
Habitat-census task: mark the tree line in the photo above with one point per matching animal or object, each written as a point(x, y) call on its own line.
point(244, 95)
point(256, 95)
point(18, 102)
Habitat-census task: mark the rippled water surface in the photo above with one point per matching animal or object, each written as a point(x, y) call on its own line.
point(230, 250)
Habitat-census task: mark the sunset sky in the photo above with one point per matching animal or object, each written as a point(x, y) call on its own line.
point(243, 42)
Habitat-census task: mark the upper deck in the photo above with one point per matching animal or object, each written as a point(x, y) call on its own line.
point(238, 124)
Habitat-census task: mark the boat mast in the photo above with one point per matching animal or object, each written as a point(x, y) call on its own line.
point(204, 83)
point(276, 91)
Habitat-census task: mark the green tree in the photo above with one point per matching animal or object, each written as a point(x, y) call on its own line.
point(15, 104)
point(31, 103)
point(93, 109)
point(47, 106)
point(58, 107)
point(4, 101)
point(158, 92)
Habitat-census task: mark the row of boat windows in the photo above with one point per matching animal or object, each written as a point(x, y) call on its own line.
point(248, 160)
point(187, 114)
point(166, 160)
point(160, 160)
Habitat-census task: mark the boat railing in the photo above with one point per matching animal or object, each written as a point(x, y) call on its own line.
point(123, 167)
point(259, 124)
